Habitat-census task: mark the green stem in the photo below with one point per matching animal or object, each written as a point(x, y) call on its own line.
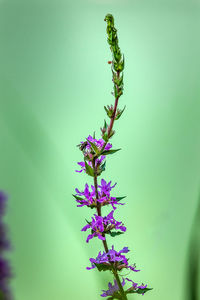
point(124, 297)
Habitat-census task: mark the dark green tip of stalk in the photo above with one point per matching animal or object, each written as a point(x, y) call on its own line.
point(109, 18)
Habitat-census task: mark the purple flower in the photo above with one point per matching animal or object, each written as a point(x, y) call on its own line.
point(99, 143)
point(135, 287)
point(101, 225)
point(89, 152)
point(5, 272)
point(98, 162)
point(4, 243)
point(89, 196)
point(112, 288)
point(3, 199)
point(112, 256)
point(5, 275)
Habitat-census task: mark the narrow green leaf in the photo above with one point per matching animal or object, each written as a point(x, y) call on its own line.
point(107, 152)
point(120, 113)
point(94, 147)
point(105, 124)
point(138, 291)
point(109, 112)
point(105, 137)
point(114, 233)
point(120, 198)
point(112, 132)
point(103, 267)
point(103, 167)
point(106, 109)
point(116, 91)
point(77, 197)
point(121, 79)
point(89, 170)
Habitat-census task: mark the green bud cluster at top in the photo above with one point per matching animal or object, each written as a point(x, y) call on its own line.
point(118, 59)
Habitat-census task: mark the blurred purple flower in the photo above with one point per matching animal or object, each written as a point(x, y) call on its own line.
point(3, 199)
point(5, 273)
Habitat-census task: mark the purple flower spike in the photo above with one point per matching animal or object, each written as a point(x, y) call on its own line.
point(88, 196)
point(102, 225)
point(95, 152)
point(112, 288)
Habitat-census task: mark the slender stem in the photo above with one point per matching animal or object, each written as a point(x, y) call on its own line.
point(115, 273)
point(113, 116)
point(112, 119)
point(120, 286)
point(124, 297)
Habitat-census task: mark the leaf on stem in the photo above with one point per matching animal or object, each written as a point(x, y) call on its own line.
point(94, 147)
point(107, 152)
point(138, 291)
point(77, 197)
point(114, 233)
point(119, 113)
point(103, 267)
point(120, 198)
point(103, 167)
point(89, 170)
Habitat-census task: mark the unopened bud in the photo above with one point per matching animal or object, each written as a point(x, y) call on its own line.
point(103, 130)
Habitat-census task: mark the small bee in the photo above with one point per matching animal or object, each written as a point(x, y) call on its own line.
point(82, 146)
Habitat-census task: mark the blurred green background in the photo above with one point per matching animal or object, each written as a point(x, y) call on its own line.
point(54, 83)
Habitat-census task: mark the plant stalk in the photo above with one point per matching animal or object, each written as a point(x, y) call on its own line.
point(110, 127)
point(115, 273)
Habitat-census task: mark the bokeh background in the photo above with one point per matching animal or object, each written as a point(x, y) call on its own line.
point(54, 83)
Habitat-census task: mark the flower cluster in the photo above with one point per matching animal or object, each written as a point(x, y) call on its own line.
point(98, 195)
point(113, 290)
point(89, 148)
point(88, 196)
point(5, 272)
point(102, 225)
point(110, 259)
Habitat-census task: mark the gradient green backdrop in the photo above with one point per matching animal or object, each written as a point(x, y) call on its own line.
point(54, 82)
